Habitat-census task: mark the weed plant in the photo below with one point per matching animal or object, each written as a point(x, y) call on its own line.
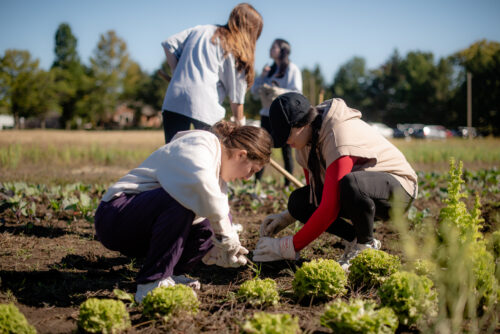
point(465, 271)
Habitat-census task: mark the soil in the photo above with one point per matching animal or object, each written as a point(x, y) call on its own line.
point(49, 267)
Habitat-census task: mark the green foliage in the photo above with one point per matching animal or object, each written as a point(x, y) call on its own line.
point(411, 296)
point(165, 301)
point(423, 267)
point(359, 316)
point(267, 323)
point(319, 279)
point(494, 244)
point(65, 47)
point(371, 267)
point(482, 60)
point(103, 316)
point(12, 321)
point(455, 212)
point(259, 292)
point(25, 89)
point(486, 285)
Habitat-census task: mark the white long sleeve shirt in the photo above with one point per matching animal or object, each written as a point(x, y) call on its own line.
point(203, 77)
point(188, 168)
point(291, 81)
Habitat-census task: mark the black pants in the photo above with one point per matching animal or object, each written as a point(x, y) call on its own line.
point(174, 122)
point(265, 123)
point(364, 196)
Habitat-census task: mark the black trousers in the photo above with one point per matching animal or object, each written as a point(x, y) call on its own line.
point(364, 197)
point(174, 122)
point(286, 150)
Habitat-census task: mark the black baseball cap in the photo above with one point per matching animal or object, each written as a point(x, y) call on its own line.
point(285, 111)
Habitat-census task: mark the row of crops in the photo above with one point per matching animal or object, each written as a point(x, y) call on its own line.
point(78, 200)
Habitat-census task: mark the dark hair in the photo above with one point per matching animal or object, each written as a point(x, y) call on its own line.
point(285, 51)
point(256, 141)
point(315, 159)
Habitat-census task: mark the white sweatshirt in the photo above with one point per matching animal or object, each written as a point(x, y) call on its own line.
point(188, 168)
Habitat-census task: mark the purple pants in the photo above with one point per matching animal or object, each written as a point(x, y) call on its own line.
point(154, 225)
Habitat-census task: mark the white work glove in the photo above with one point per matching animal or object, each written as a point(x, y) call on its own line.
point(227, 252)
point(268, 93)
point(274, 223)
point(241, 122)
point(270, 249)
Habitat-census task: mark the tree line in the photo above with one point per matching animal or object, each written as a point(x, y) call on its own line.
point(411, 88)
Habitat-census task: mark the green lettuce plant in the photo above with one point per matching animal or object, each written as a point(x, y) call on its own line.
point(165, 301)
point(486, 285)
point(103, 316)
point(258, 292)
point(267, 323)
point(371, 267)
point(422, 267)
point(12, 321)
point(359, 316)
point(410, 296)
point(320, 278)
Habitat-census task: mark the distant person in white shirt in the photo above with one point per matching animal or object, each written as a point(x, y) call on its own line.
point(173, 209)
point(210, 62)
point(281, 77)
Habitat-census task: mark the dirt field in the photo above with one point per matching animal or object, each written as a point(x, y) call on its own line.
point(49, 267)
point(50, 262)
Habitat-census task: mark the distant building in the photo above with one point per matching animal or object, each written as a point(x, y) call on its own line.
point(6, 122)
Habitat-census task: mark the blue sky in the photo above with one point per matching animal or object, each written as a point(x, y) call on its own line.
point(327, 33)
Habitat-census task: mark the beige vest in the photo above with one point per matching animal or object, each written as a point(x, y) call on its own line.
point(344, 133)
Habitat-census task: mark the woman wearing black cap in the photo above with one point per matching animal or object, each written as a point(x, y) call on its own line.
point(352, 172)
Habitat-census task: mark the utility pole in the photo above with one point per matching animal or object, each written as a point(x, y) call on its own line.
point(469, 105)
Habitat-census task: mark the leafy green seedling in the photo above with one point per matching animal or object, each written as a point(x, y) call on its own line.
point(257, 292)
point(165, 301)
point(410, 296)
point(267, 323)
point(12, 321)
point(359, 316)
point(423, 267)
point(103, 316)
point(320, 278)
point(371, 267)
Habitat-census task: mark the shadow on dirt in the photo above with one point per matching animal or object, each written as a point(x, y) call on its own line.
point(74, 279)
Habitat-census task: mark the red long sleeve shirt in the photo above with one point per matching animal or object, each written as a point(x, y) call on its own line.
point(329, 207)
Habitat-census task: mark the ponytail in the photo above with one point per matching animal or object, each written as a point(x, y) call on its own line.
point(256, 141)
point(315, 159)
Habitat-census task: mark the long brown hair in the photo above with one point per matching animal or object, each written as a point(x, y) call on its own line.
point(256, 141)
point(239, 36)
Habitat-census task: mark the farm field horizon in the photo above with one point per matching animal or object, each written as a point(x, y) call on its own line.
point(51, 181)
point(104, 156)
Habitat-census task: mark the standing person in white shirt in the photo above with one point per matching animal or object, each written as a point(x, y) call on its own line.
point(281, 77)
point(208, 63)
point(173, 209)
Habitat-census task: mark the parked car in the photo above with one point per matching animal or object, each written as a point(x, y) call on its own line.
point(383, 129)
point(432, 132)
